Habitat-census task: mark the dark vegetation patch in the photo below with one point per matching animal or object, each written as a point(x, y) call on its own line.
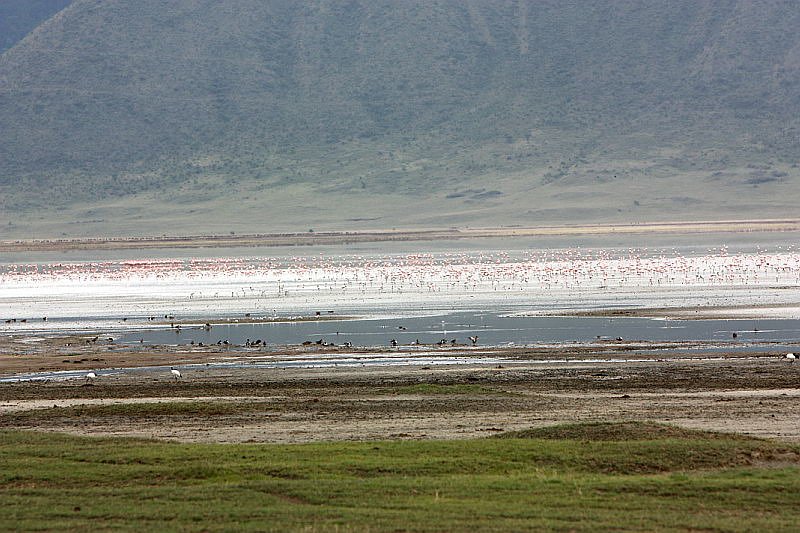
point(134, 411)
point(614, 431)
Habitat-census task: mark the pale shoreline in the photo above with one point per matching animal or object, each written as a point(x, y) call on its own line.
point(384, 235)
point(742, 312)
point(115, 294)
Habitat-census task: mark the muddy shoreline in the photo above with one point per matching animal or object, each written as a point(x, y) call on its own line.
point(22, 353)
point(754, 394)
point(748, 311)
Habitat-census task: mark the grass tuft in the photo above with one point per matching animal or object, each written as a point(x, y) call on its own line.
point(615, 431)
point(135, 410)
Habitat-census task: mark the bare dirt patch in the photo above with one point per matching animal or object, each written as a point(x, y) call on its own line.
point(333, 238)
point(749, 395)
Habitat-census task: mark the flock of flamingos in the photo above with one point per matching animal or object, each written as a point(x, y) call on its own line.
point(381, 281)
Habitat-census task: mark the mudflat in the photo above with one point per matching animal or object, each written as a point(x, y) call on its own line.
point(753, 394)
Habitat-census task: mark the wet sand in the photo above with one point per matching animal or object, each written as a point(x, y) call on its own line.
point(765, 311)
point(751, 394)
point(24, 354)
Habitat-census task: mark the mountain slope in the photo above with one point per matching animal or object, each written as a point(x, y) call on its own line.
point(139, 116)
point(20, 17)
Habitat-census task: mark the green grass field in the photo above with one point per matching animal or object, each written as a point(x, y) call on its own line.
point(586, 477)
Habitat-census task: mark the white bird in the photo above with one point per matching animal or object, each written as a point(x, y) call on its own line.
point(91, 376)
point(791, 357)
point(175, 372)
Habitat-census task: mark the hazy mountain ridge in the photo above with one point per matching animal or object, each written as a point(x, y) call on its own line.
point(20, 17)
point(469, 111)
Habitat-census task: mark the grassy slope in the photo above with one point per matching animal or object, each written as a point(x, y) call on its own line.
point(269, 116)
point(632, 477)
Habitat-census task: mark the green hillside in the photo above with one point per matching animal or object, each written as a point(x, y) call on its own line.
point(152, 117)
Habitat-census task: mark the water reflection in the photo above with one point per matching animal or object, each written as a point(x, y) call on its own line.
point(491, 329)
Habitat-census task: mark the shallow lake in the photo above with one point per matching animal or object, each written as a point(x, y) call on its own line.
point(491, 329)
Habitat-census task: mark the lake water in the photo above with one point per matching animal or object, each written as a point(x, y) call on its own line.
point(492, 329)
